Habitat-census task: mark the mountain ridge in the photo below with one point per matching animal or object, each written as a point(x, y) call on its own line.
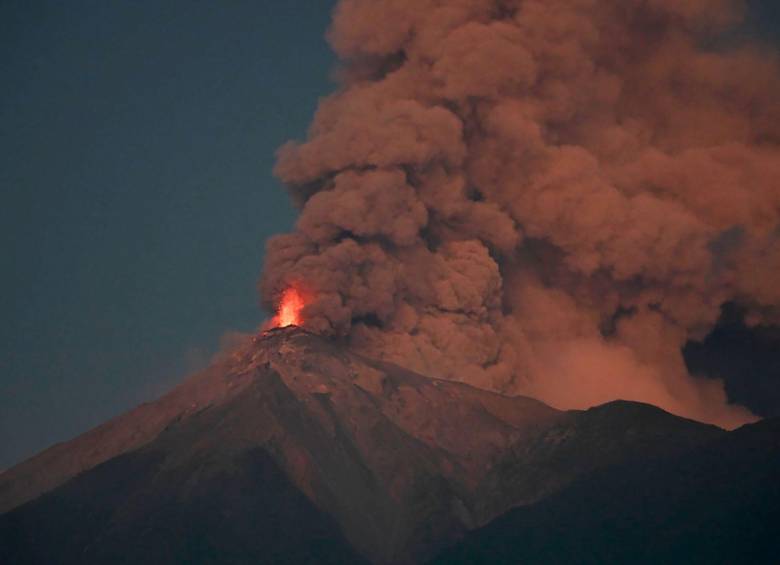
point(403, 464)
point(718, 502)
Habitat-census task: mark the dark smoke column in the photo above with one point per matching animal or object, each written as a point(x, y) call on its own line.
point(539, 197)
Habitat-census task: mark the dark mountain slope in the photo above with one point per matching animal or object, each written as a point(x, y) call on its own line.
point(403, 464)
point(718, 503)
point(392, 455)
point(131, 510)
point(581, 442)
point(63, 461)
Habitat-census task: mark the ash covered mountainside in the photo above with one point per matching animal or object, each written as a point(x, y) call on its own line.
point(296, 449)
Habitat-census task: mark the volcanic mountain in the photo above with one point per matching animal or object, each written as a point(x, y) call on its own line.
point(294, 449)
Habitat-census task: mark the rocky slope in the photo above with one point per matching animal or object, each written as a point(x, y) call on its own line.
point(391, 466)
point(717, 503)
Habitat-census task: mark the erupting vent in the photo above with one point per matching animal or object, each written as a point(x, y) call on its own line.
point(289, 312)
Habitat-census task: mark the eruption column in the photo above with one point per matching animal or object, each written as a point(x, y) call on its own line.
point(539, 197)
point(289, 313)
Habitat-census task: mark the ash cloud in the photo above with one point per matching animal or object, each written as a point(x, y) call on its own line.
point(541, 197)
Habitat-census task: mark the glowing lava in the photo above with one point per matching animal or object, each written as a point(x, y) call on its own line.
point(289, 313)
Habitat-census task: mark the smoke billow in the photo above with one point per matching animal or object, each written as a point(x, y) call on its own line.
point(541, 197)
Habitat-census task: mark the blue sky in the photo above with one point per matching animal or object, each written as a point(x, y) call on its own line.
point(136, 150)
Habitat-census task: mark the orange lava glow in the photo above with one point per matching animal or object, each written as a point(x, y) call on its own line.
point(289, 313)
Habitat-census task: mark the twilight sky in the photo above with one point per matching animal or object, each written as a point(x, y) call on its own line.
point(136, 147)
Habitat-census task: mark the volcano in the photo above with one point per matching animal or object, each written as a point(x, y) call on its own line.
point(295, 449)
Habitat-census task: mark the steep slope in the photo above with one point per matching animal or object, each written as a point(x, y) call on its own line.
point(403, 464)
point(718, 503)
point(55, 465)
point(392, 455)
point(136, 509)
point(581, 442)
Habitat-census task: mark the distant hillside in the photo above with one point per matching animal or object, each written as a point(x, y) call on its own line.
point(719, 503)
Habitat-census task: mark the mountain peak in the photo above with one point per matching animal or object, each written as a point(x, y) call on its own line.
point(403, 463)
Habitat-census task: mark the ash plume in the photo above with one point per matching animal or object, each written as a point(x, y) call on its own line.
point(539, 197)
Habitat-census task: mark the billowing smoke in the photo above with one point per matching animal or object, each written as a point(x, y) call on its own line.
point(540, 197)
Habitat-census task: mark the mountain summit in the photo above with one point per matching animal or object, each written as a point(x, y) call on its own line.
point(295, 449)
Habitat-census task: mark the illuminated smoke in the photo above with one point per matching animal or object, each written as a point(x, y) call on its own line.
point(542, 197)
point(288, 313)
